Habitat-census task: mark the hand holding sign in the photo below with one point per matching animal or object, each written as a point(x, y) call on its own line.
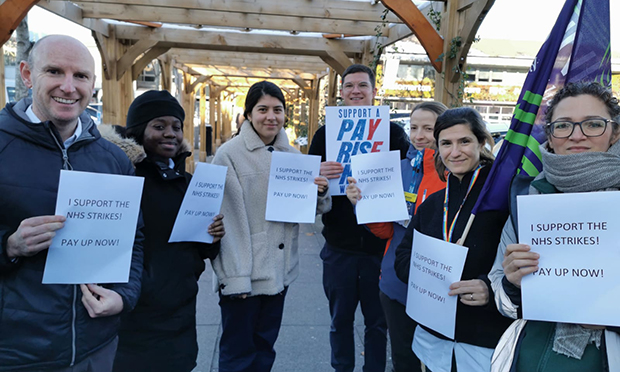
point(331, 169)
point(33, 235)
point(576, 235)
point(216, 229)
point(100, 301)
point(519, 261)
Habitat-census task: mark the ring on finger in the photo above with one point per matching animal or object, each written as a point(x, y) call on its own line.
point(471, 297)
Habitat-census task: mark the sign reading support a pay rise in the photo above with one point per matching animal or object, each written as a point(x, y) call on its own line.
point(352, 130)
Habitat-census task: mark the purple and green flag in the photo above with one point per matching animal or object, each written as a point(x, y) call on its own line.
point(577, 49)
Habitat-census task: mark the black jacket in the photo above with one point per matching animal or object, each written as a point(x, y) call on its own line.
point(164, 320)
point(475, 325)
point(340, 227)
point(47, 326)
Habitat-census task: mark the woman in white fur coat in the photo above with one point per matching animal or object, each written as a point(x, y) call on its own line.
point(258, 259)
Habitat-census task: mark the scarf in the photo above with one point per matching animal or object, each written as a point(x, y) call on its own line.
point(585, 172)
point(589, 171)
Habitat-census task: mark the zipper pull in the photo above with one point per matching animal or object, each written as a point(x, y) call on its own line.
point(65, 158)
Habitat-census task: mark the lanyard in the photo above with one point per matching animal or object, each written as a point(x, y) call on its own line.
point(447, 234)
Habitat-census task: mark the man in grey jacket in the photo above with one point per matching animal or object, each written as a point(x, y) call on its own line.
point(53, 327)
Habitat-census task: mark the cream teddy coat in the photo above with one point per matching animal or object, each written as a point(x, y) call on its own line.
point(257, 257)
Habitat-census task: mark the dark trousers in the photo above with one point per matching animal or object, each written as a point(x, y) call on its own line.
point(99, 361)
point(400, 329)
point(350, 279)
point(250, 328)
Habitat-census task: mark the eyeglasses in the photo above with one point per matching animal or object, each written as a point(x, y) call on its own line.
point(589, 127)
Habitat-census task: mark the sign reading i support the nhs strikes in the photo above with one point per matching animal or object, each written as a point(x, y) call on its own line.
point(352, 130)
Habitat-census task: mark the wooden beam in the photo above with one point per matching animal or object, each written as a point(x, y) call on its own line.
point(188, 38)
point(336, 58)
point(73, 13)
point(147, 58)
point(127, 60)
point(326, 9)
point(430, 39)
point(107, 64)
point(199, 81)
point(11, 14)
point(304, 86)
point(247, 72)
point(216, 18)
point(166, 74)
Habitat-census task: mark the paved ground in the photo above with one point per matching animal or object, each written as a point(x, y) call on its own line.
point(303, 344)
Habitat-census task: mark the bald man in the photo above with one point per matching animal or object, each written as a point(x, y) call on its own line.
point(53, 327)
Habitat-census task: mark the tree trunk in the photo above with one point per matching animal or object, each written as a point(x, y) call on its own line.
point(22, 35)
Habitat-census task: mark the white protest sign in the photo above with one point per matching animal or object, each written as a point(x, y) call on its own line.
point(378, 177)
point(96, 243)
point(202, 202)
point(352, 130)
point(435, 264)
point(578, 238)
point(292, 194)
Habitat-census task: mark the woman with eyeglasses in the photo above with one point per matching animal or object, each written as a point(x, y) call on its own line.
point(581, 154)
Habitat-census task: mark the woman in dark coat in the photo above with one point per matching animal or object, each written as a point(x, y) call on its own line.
point(461, 137)
point(160, 333)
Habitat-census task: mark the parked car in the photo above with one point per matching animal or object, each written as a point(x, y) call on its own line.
point(95, 112)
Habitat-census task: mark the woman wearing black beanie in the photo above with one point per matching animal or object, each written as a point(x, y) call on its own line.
point(160, 333)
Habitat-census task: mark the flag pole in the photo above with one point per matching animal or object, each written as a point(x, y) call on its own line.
point(470, 222)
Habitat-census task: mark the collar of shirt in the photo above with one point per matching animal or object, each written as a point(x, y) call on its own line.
point(78, 129)
point(170, 163)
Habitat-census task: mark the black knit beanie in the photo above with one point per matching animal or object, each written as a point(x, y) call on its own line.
point(153, 104)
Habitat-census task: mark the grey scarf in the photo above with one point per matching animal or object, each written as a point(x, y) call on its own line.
point(590, 171)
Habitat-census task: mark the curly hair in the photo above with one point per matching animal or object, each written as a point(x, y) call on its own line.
point(591, 88)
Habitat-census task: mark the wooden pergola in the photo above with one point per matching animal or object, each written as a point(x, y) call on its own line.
point(221, 47)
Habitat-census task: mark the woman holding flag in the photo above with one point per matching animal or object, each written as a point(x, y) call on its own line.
point(581, 154)
point(464, 161)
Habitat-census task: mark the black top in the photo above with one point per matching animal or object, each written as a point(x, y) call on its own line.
point(341, 230)
point(475, 325)
point(171, 270)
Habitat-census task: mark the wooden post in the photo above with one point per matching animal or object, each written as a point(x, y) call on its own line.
point(166, 75)
point(313, 120)
point(214, 131)
point(187, 101)
point(332, 87)
point(220, 126)
point(202, 156)
point(444, 88)
point(2, 79)
point(117, 94)
point(226, 119)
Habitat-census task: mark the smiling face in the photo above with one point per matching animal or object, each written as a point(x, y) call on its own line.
point(422, 125)
point(62, 79)
point(163, 136)
point(576, 109)
point(357, 90)
point(459, 149)
point(267, 118)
